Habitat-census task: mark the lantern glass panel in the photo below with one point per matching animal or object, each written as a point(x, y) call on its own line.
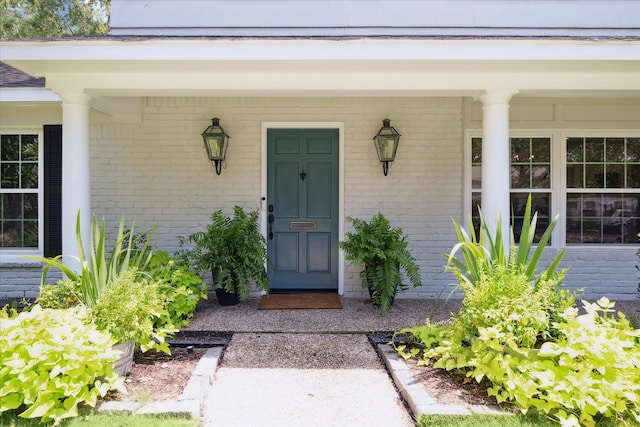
point(215, 146)
point(386, 148)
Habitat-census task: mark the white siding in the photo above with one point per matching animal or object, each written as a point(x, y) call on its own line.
point(375, 18)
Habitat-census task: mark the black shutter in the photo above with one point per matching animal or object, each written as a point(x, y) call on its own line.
point(52, 190)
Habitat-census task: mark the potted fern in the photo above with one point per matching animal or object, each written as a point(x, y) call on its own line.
point(382, 250)
point(233, 250)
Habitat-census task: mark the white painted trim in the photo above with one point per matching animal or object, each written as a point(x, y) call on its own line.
point(28, 95)
point(263, 178)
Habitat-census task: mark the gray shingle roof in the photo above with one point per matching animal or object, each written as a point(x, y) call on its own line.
point(12, 77)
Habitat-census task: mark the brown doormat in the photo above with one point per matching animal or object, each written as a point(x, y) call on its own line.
point(299, 301)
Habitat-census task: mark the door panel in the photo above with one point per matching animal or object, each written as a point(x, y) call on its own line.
point(302, 193)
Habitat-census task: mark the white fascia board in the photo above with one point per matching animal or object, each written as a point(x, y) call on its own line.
point(27, 95)
point(313, 50)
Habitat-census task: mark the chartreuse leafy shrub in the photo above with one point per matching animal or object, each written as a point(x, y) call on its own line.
point(520, 331)
point(129, 307)
point(51, 361)
point(181, 287)
point(65, 294)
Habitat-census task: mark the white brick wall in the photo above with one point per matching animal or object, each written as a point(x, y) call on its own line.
point(158, 171)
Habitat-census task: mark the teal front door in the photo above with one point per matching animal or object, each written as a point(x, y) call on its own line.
point(302, 209)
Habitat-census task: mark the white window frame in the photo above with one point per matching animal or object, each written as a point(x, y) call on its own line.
point(556, 241)
point(589, 133)
point(558, 187)
point(15, 256)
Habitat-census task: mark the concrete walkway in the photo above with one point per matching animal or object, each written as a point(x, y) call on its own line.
point(303, 380)
point(306, 367)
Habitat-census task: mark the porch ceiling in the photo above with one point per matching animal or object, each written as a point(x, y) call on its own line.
point(331, 68)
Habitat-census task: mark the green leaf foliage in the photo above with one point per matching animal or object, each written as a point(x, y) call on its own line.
point(53, 18)
point(128, 309)
point(383, 252)
point(99, 265)
point(481, 251)
point(232, 249)
point(181, 287)
point(53, 360)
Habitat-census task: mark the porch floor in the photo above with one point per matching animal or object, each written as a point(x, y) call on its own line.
point(356, 316)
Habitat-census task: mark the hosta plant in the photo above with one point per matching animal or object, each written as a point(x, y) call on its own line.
point(51, 361)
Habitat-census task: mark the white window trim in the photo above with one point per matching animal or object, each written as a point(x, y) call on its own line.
point(558, 177)
point(15, 256)
point(563, 190)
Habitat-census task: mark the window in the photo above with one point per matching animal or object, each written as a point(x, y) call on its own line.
point(603, 189)
point(20, 191)
point(598, 192)
point(530, 162)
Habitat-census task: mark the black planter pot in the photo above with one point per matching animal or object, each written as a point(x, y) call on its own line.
point(226, 298)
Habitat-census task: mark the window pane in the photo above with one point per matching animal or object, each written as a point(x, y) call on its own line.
point(11, 234)
point(575, 150)
point(29, 147)
point(574, 218)
point(520, 152)
point(476, 150)
point(476, 177)
point(10, 148)
point(540, 204)
point(30, 206)
point(575, 176)
point(615, 176)
point(594, 150)
point(29, 175)
point(594, 175)
point(615, 150)
point(633, 149)
point(541, 150)
point(475, 213)
point(541, 177)
point(11, 206)
point(633, 176)
point(612, 218)
point(9, 175)
point(30, 234)
point(591, 230)
point(520, 176)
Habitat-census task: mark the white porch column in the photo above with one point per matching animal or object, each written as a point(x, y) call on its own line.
point(495, 160)
point(76, 192)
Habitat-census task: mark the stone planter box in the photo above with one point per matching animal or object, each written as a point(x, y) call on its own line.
point(124, 364)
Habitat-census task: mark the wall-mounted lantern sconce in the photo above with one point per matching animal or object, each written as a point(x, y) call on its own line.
point(386, 142)
point(216, 141)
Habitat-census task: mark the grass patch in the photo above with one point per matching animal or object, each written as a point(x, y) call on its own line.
point(518, 420)
point(9, 419)
point(532, 420)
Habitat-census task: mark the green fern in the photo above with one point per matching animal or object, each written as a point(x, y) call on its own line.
point(383, 252)
point(232, 249)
